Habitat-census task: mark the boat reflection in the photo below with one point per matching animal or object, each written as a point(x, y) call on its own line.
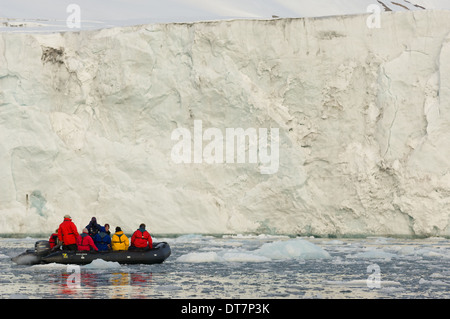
point(120, 285)
point(130, 285)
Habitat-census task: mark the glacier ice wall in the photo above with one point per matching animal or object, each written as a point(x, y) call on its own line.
point(363, 116)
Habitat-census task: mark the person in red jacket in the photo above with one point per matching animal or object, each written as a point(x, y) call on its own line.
point(68, 234)
point(85, 242)
point(53, 240)
point(141, 239)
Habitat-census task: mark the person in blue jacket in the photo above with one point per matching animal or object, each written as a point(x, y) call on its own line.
point(102, 240)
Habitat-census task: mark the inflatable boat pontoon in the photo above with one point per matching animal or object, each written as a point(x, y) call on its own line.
point(42, 254)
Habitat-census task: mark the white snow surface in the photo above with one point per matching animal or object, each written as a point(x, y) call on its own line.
point(52, 15)
point(363, 114)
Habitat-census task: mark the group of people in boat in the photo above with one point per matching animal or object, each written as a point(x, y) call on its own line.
point(97, 237)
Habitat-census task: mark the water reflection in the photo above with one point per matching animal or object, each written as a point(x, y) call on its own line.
point(120, 285)
point(129, 285)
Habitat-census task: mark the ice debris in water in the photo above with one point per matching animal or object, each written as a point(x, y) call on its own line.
point(290, 249)
point(101, 264)
point(296, 248)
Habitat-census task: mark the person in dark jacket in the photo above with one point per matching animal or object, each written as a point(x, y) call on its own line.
point(141, 239)
point(102, 240)
point(93, 228)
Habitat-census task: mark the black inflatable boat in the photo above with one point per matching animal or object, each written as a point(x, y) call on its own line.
point(42, 254)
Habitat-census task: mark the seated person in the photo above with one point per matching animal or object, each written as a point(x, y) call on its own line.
point(85, 242)
point(119, 240)
point(102, 240)
point(141, 239)
point(53, 240)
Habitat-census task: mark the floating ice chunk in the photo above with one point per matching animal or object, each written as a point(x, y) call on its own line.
point(360, 282)
point(168, 287)
point(429, 252)
point(373, 253)
point(222, 256)
point(101, 264)
point(250, 236)
point(200, 257)
point(354, 283)
point(18, 296)
point(48, 266)
point(433, 282)
point(338, 261)
point(295, 248)
point(438, 275)
point(336, 242)
point(244, 257)
point(190, 238)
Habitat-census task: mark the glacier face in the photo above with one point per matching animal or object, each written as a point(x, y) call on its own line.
point(363, 115)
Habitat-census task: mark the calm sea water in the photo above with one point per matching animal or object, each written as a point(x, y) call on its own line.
point(246, 267)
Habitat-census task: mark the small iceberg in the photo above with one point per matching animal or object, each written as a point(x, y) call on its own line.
point(292, 249)
point(101, 264)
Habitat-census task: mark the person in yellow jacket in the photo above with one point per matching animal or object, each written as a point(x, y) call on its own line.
point(119, 240)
